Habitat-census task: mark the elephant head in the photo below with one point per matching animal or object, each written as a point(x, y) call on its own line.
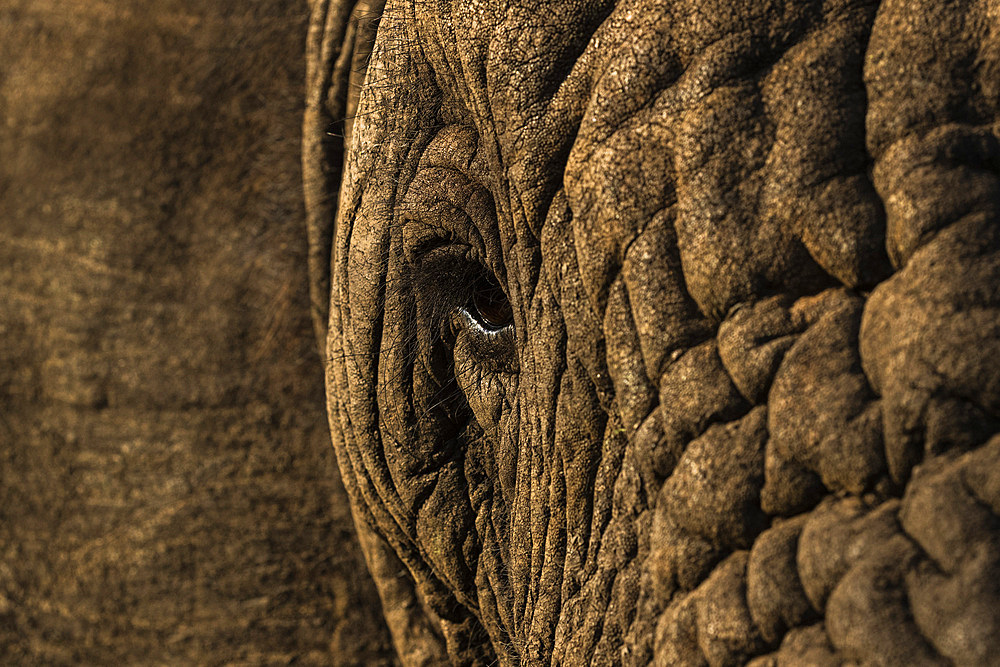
point(665, 330)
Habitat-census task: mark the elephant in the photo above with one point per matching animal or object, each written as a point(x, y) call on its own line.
point(664, 332)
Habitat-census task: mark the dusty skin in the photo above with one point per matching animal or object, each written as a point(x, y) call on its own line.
point(168, 492)
point(665, 332)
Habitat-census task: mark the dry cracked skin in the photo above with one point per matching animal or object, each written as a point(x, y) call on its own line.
point(665, 332)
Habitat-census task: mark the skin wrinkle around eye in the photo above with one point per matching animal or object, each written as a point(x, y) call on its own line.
point(449, 212)
point(449, 201)
point(450, 244)
point(445, 203)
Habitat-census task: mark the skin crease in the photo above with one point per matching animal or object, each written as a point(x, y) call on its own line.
point(745, 407)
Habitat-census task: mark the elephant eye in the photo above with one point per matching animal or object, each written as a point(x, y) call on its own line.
point(490, 307)
point(484, 327)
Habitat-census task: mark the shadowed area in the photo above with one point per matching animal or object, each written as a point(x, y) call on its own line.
point(168, 493)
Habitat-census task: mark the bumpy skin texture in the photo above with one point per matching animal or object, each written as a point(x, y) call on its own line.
point(747, 408)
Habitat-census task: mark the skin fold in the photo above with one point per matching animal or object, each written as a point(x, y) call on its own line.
point(743, 405)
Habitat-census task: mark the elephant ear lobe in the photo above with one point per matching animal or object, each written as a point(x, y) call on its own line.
point(338, 47)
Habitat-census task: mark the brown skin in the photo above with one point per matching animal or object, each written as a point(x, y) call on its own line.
point(744, 407)
point(168, 493)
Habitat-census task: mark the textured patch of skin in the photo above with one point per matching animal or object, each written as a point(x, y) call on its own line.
point(751, 253)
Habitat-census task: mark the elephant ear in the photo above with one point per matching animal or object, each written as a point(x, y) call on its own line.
point(338, 47)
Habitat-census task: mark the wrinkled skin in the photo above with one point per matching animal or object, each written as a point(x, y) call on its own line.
point(743, 405)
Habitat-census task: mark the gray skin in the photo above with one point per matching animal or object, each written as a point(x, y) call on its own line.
point(743, 405)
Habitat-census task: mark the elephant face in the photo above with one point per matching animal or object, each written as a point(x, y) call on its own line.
point(668, 330)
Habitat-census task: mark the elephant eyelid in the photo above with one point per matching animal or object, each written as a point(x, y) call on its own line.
point(481, 330)
point(489, 349)
point(460, 298)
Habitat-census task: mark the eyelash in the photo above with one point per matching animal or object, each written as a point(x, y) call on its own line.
point(479, 329)
point(447, 275)
point(491, 350)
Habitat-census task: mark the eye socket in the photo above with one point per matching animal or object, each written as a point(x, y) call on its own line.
point(490, 307)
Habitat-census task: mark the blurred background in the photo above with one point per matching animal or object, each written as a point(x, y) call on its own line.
point(168, 492)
